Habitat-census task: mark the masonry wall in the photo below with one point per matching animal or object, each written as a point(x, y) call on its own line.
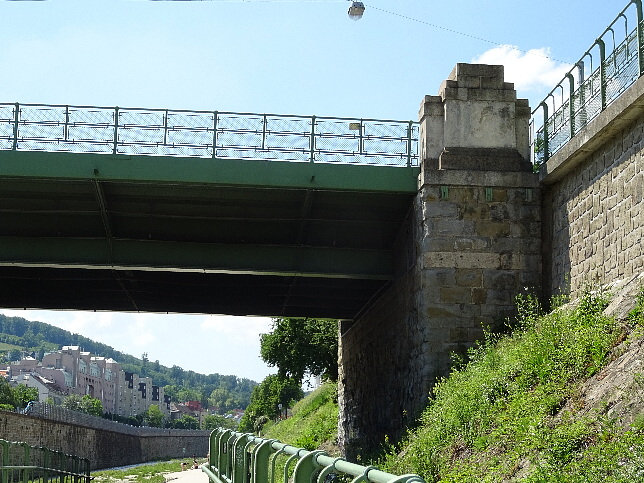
point(104, 449)
point(471, 244)
point(383, 366)
point(595, 209)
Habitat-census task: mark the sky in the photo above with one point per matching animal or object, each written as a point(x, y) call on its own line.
point(301, 57)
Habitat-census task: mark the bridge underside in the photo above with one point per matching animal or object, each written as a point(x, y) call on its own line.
point(97, 232)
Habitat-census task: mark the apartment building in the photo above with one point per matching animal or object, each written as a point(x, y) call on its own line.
point(74, 371)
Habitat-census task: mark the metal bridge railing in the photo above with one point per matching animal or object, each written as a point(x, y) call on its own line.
point(244, 458)
point(613, 63)
point(207, 134)
point(23, 463)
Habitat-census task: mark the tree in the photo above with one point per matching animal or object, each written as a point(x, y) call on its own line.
point(22, 395)
point(267, 397)
point(90, 405)
point(6, 395)
point(213, 421)
point(153, 417)
point(184, 422)
point(86, 404)
point(14, 355)
point(300, 346)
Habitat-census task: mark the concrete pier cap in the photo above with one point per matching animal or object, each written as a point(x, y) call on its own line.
point(475, 109)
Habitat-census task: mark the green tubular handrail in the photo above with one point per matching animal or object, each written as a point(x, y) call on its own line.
point(21, 462)
point(549, 146)
point(258, 462)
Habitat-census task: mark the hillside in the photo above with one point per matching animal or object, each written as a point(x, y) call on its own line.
point(224, 391)
point(558, 398)
point(313, 424)
point(561, 398)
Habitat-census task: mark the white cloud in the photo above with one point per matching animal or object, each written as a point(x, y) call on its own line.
point(533, 72)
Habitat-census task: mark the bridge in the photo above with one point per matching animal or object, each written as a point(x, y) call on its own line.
point(417, 235)
point(204, 212)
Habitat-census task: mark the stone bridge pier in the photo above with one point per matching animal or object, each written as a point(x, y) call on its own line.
point(471, 243)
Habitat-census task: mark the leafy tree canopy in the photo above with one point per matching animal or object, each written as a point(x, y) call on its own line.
point(213, 421)
point(86, 404)
point(301, 346)
point(153, 417)
point(266, 398)
point(22, 395)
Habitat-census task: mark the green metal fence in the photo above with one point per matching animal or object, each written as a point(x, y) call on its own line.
point(20, 462)
point(245, 458)
point(612, 63)
point(207, 134)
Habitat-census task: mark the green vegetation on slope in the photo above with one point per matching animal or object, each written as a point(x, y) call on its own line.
point(510, 411)
point(314, 422)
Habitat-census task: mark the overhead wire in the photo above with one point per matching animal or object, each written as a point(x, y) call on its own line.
point(395, 14)
point(463, 34)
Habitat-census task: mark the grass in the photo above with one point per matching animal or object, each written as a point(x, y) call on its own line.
point(148, 473)
point(499, 416)
point(4, 346)
point(313, 423)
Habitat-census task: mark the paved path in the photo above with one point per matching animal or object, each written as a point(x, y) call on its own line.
point(188, 476)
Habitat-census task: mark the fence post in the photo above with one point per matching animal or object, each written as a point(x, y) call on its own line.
point(312, 142)
point(546, 154)
point(305, 468)
point(409, 129)
point(602, 71)
point(640, 40)
point(116, 129)
point(571, 100)
point(262, 453)
point(16, 116)
point(214, 135)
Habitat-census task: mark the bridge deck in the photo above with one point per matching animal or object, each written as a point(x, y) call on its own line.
point(191, 234)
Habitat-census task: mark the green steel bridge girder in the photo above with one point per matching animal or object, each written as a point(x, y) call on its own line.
point(223, 172)
point(171, 256)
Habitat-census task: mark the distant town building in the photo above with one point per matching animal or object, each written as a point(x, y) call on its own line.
point(72, 371)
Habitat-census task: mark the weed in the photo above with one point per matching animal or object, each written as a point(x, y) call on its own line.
point(499, 409)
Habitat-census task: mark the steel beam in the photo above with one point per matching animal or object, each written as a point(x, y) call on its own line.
point(150, 255)
point(222, 172)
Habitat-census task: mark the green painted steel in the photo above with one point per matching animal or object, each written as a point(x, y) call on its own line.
point(221, 172)
point(123, 254)
point(21, 462)
point(587, 89)
point(207, 134)
point(257, 464)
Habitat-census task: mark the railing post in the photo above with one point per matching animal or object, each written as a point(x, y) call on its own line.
point(640, 40)
point(546, 154)
point(116, 129)
point(27, 462)
point(312, 141)
point(264, 132)
point(261, 455)
point(305, 468)
point(66, 130)
point(214, 135)
point(165, 127)
point(16, 117)
point(409, 129)
point(361, 140)
point(602, 71)
point(571, 100)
